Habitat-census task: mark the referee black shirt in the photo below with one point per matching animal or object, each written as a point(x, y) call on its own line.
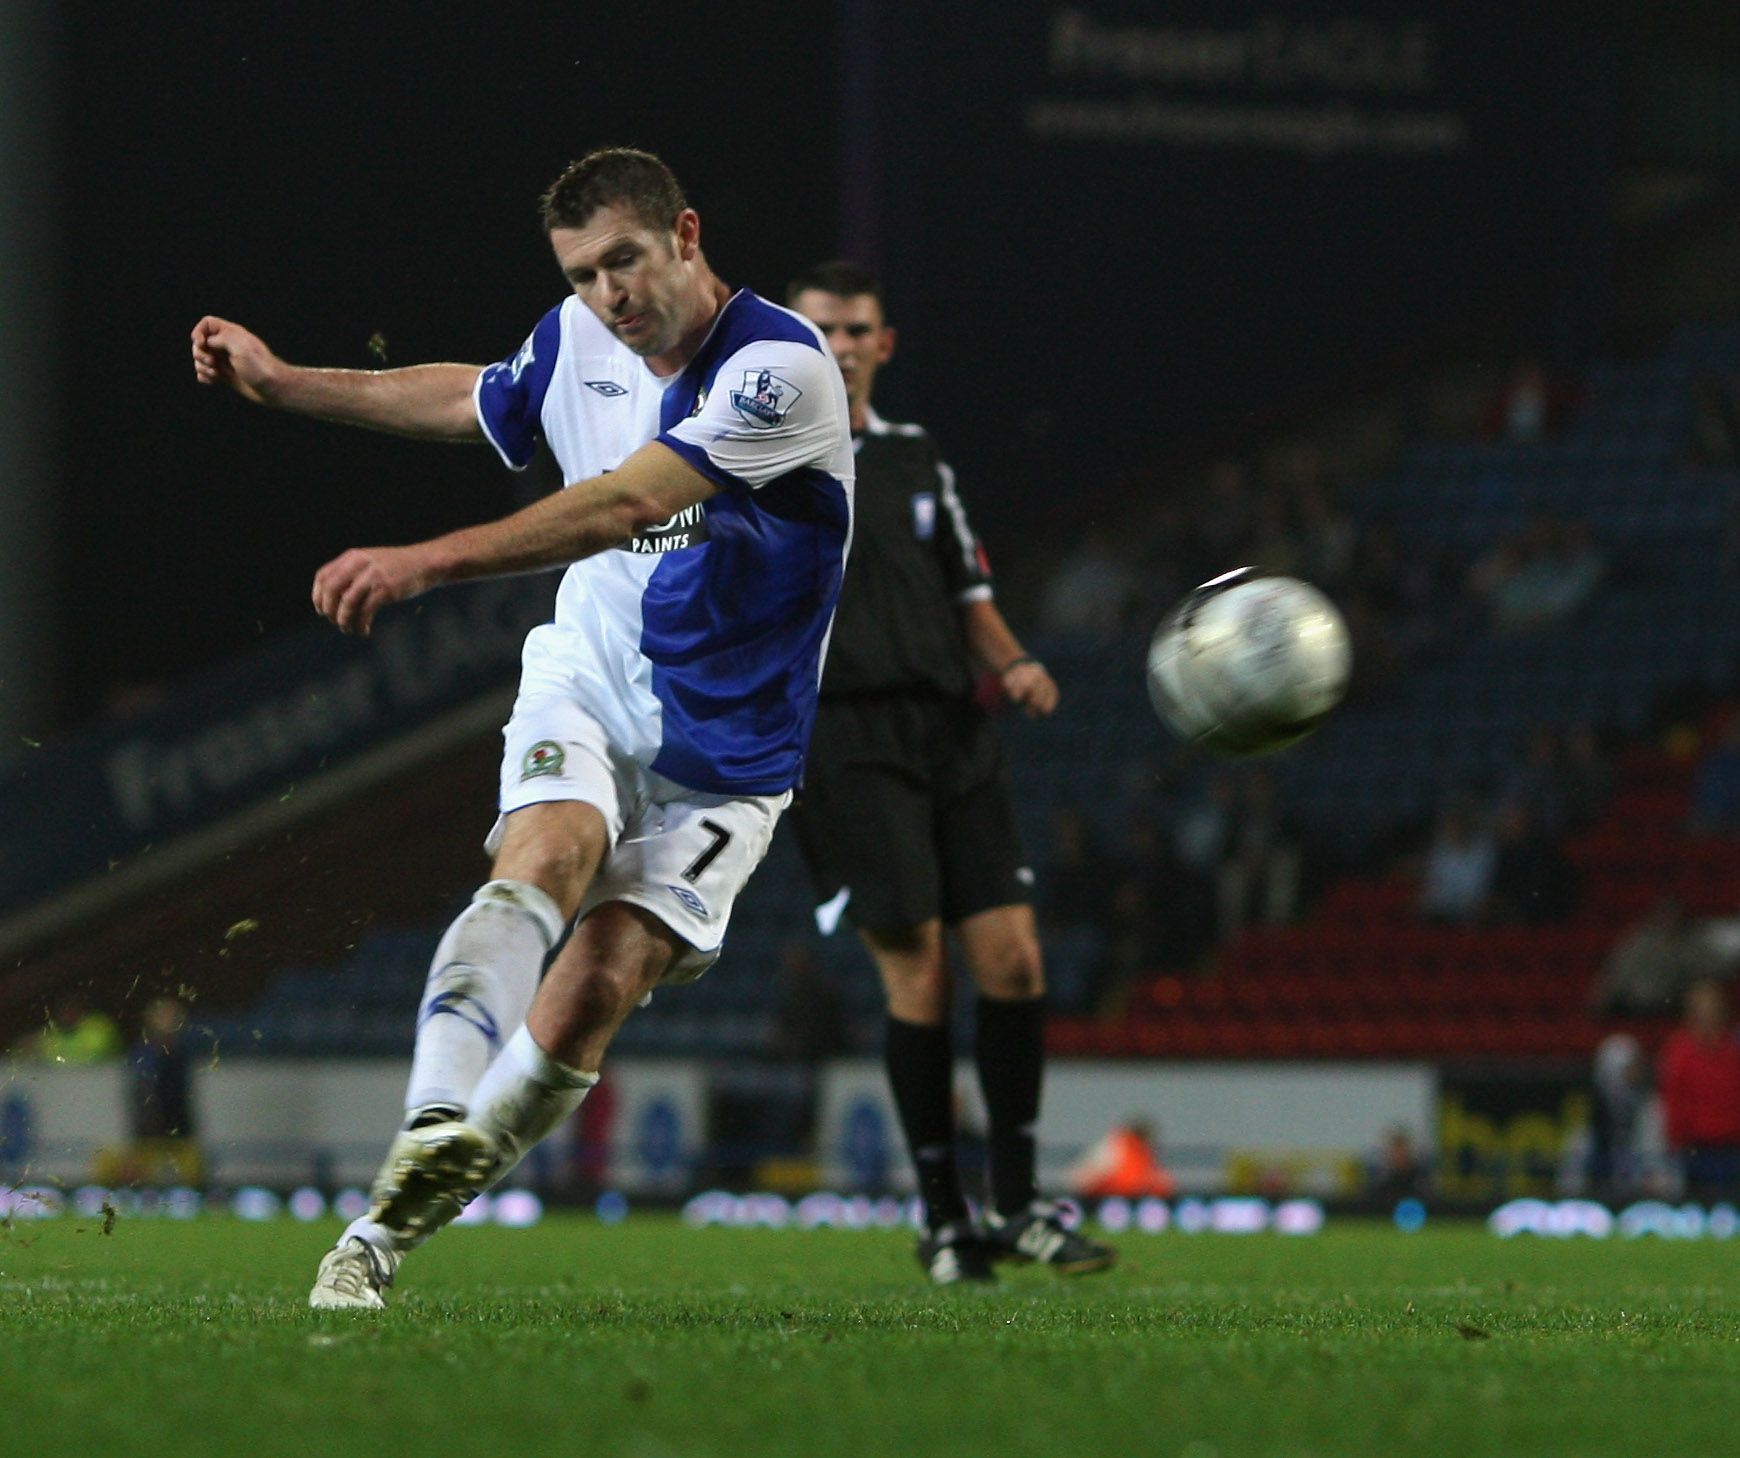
point(913, 560)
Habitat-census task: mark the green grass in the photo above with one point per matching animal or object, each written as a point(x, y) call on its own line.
point(652, 1339)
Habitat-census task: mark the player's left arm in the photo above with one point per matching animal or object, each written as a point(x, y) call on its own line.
point(993, 642)
point(650, 487)
point(967, 571)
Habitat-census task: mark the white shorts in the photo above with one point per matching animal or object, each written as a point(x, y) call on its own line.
point(681, 854)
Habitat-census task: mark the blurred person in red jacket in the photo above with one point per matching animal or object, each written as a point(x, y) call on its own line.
point(1125, 1162)
point(1700, 1093)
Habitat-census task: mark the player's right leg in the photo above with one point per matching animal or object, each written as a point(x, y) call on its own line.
point(618, 954)
point(919, 1056)
point(480, 988)
point(561, 800)
point(865, 827)
point(984, 902)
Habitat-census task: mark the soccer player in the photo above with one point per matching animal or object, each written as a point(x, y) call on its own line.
point(662, 716)
point(905, 816)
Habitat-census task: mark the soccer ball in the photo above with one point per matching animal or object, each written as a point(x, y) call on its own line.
point(1249, 663)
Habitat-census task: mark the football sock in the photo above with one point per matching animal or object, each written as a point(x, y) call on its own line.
point(1011, 1058)
point(524, 1095)
point(387, 1245)
point(921, 1074)
point(479, 990)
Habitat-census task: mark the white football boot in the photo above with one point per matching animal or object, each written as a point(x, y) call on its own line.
point(352, 1276)
point(429, 1175)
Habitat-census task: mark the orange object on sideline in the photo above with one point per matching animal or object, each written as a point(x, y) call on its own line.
point(1123, 1163)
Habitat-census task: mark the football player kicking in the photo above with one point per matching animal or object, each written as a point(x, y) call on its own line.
point(905, 817)
point(663, 715)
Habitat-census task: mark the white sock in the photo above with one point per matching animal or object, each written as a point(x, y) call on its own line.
point(479, 990)
point(525, 1094)
point(386, 1245)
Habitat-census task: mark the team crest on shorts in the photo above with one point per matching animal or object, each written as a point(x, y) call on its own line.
point(765, 398)
point(543, 758)
point(689, 899)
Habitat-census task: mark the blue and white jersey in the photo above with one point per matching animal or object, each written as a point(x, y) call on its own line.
point(698, 644)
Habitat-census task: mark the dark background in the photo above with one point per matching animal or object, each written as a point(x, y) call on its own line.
point(324, 172)
point(1071, 310)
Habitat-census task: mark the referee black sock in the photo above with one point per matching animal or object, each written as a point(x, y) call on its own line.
point(921, 1073)
point(1011, 1056)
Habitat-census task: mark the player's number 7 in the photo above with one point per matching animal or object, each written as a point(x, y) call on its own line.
point(721, 839)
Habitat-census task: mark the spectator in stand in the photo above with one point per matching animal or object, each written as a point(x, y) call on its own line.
point(1202, 841)
point(1076, 890)
point(1202, 834)
point(1540, 577)
point(1716, 424)
point(1539, 783)
point(1125, 1164)
point(1456, 880)
point(1274, 547)
point(1226, 521)
point(1586, 776)
point(1258, 877)
point(1397, 1172)
point(1328, 538)
point(76, 1034)
point(1716, 789)
point(1404, 587)
point(1533, 880)
point(809, 1015)
point(809, 1027)
point(1651, 966)
point(160, 1098)
point(1293, 468)
point(1621, 1086)
point(1377, 657)
point(1699, 1077)
point(1171, 558)
point(1092, 589)
point(1161, 914)
point(1531, 405)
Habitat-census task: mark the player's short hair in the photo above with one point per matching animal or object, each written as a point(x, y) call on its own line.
point(611, 177)
point(840, 277)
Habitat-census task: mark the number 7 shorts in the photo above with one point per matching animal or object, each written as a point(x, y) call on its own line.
point(681, 854)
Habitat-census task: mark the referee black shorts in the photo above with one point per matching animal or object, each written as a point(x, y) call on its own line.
point(905, 807)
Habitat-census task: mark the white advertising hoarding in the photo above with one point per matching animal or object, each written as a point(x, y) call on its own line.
point(1212, 1118)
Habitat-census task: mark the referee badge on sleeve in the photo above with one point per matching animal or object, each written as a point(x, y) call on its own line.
point(924, 515)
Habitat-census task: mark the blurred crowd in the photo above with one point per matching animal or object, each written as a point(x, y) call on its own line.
point(1282, 514)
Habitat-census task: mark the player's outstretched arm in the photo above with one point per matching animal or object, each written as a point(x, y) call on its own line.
point(1024, 678)
point(430, 402)
point(650, 487)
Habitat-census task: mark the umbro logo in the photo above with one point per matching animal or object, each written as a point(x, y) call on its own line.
point(607, 388)
point(689, 899)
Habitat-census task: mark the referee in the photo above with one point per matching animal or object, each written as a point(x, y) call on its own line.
point(905, 817)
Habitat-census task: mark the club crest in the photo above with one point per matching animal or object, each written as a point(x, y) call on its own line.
point(543, 758)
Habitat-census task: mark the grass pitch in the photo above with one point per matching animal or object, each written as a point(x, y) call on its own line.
point(650, 1339)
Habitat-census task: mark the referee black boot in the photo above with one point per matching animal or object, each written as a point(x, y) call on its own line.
point(955, 1254)
point(1039, 1234)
